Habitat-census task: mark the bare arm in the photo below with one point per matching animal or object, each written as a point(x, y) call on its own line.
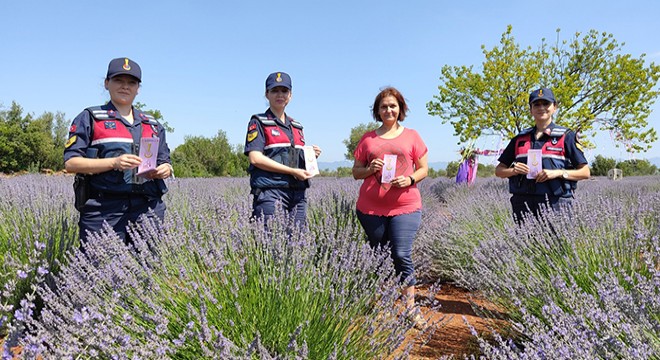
point(362, 171)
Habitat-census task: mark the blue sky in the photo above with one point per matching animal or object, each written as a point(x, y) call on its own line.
point(204, 62)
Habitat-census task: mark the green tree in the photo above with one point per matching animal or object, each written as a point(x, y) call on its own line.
point(156, 114)
point(452, 169)
point(637, 168)
point(206, 157)
point(601, 165)
point(597, 88)
point(356, 135)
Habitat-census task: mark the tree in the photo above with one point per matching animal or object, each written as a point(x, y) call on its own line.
point(637, 168)
point(356, 135)
point(601, 165)
point(203, 157)
point(156, 114)
point(597, 88)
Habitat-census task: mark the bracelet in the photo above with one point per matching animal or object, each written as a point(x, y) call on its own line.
point(412, 180)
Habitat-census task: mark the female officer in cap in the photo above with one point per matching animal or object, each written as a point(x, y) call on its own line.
point(274, 145)
point(104, 143)
point(551, 179)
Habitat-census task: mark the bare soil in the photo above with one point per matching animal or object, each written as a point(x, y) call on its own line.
point(453, 337)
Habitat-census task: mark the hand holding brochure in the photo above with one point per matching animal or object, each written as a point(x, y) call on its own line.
point(534, 161)
point(311, 165)
point(389, 168)
point(148, 154)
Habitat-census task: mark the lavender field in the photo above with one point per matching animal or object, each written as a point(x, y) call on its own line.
point(209, 284)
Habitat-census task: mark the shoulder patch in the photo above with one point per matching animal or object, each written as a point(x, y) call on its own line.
point(252, 135)
point(71, 141)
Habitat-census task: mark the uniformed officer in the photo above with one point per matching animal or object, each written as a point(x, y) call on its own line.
point(104, 142)
point(274, 145)
point(562, 161)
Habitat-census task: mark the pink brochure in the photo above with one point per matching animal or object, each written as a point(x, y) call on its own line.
point(148, 154)
point(534, 161)
point(389, 168)
point(311, 165)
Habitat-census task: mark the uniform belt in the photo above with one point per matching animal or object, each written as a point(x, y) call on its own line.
point(111, 196)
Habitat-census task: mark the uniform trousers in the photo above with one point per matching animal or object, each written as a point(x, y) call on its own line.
point(118, 212)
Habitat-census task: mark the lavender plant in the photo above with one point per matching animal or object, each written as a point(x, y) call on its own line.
point(606, 244)
point(37, 227)
point(210, 283)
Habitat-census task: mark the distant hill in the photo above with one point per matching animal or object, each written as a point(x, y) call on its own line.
point(333, 165)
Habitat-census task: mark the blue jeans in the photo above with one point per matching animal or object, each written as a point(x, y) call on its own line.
point(293, 201)
point(397, 232)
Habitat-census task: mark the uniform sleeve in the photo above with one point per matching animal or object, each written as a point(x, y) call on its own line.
point(79, 136)
point(509, 154)
point(254, 139)
point(573, 151)
point(163, 148)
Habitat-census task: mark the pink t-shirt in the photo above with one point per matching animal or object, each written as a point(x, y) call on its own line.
point(383, 199)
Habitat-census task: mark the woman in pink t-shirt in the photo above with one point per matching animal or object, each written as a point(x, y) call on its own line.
point(391, 160)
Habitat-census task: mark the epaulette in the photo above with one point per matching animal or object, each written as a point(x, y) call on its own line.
point(264, 120)
point(146, 118)
point(526, 131)
point(558, 131)
point(296, 124)
point(101, 114)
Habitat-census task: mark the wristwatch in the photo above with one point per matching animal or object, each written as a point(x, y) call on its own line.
point(565, 175)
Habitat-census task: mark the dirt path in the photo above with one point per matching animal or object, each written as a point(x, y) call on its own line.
point(453, 337)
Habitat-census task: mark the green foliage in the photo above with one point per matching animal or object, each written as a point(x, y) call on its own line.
point(433, 173)
point(341, 171)
point(485, 170)
point(601, 165)
point(356, 135)
point(597, 88)
point(452, 169)
point(156, 114)
point(637, 168)
point(207, 157)
point(28, 143)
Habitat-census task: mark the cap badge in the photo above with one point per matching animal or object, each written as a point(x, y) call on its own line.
point(126, 66)
point(279, 77)
point(540, 92)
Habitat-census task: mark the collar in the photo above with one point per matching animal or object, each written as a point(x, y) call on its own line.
point(548, 130)
point(271, 116)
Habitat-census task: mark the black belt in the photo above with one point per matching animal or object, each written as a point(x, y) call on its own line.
point(116, 196)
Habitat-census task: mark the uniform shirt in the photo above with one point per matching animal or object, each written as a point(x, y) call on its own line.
point(81, 129)
point(258, 142)
point(380, 199)
point(572, 152)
